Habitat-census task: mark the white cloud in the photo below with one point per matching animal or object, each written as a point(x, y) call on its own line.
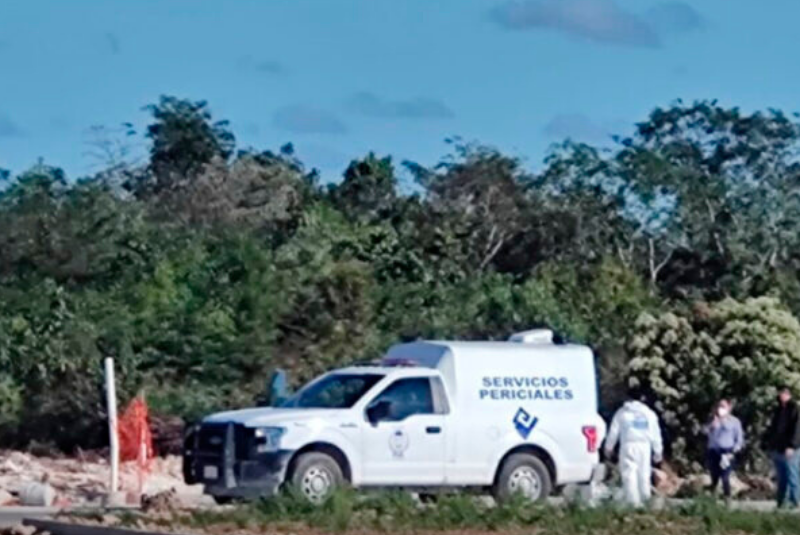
point(601, 21)
point(303, 119)
point(372, 105)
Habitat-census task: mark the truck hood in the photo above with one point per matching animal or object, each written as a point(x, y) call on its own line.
point(263, 416)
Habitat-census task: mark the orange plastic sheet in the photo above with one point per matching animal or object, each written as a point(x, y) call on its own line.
point(135, 438)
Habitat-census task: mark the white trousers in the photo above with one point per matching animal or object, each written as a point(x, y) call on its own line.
point(635, 469)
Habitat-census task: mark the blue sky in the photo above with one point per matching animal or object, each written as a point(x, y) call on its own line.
point(339, 78)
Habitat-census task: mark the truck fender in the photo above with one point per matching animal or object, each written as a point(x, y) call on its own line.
point(541, 445)
point(338, 447)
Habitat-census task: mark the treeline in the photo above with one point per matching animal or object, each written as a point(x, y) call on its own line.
point(207, 266)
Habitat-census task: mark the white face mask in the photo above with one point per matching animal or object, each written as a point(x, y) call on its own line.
point(722, 412)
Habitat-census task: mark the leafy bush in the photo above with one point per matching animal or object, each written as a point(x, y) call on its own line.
point(739, 350)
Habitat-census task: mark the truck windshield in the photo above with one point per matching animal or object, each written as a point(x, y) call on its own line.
point(337, 391)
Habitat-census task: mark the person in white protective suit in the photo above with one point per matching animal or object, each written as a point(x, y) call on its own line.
point(635, 426)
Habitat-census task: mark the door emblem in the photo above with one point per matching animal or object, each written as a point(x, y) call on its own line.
point(524, 422)
point(398, 442)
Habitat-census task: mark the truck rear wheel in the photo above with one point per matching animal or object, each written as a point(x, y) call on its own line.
point(316, 476)
point(525, 474)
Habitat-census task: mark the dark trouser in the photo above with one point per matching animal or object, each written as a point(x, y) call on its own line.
point(787, 468)
point(718, 473)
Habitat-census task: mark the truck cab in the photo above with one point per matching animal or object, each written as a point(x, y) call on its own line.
point(509, 417)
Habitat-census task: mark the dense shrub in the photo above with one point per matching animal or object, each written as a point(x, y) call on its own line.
point(740, 350)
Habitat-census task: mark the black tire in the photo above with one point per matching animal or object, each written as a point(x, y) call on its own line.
point(224, 500)
point(523, 473)
point(315, 476)
point(428, 498)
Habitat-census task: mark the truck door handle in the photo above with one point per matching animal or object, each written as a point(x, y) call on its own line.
point(433, 430)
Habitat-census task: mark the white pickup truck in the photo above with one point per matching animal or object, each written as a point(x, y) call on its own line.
point(508, 417)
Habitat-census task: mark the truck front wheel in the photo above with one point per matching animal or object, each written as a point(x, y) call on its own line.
point(316, 476)
point(524, 474)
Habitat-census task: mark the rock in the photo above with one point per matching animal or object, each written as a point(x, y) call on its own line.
point(6, 498)
point(693, 485)
point(83, 479)
point(759, 487)
point(571, 493)
point(161, 502)
point(37, 495)
point(167, 434)
point(19, 529)
point(114, 500)
point(762, 483)
point(738, 486)
point(109, 520)
point(666, 482)
point(590, 494)
point(697, 484)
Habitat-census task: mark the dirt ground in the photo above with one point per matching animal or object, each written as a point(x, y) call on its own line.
point(83, 479)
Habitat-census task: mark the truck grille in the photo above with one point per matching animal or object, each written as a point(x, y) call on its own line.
point(211, 440)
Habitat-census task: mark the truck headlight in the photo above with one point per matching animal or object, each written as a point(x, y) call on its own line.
point(268, 439)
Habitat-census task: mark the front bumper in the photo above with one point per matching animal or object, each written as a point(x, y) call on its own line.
point(250, 479)
point(220, 457)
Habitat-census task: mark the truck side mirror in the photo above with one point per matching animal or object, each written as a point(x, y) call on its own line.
point(379, 411)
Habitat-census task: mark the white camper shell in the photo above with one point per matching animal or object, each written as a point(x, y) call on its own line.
point(510, 417)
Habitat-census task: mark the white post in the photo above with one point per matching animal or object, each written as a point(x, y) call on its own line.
point(111, 405)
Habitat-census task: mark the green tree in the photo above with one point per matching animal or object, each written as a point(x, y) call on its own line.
point(327, 319)
point(202, 322)
point(79, 233)
point(184, 137)
point(54, 368)
point(477, 196)
point(368, 190)
point(263, 192)
point(581, 209)
point(716, 192)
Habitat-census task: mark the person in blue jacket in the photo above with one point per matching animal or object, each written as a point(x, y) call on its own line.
point(725, 440)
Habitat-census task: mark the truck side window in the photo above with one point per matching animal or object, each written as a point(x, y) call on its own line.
point(408, 397)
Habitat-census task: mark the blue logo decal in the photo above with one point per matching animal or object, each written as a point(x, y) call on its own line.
point(641, 423)
point(524, 422)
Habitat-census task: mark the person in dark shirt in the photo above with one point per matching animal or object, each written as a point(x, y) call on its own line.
point(782, 442)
